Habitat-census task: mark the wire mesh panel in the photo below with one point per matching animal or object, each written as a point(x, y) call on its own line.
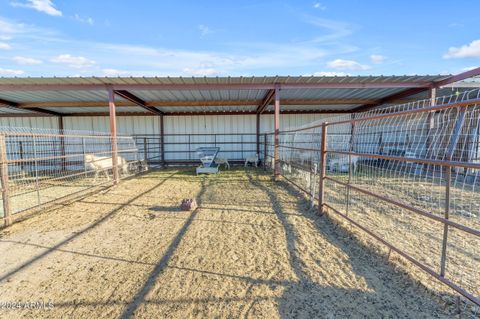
point(41, 166)
point(408, 174)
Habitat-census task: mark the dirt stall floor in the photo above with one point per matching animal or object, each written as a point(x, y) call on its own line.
point(252, 249)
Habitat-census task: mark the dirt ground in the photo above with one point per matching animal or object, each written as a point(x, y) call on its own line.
point(252, 249)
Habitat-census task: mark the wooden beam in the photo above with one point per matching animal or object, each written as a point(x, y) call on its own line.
point(137, 101)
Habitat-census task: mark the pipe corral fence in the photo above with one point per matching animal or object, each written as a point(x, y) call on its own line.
point(408, 175)
point(41, 166)
point(180, 149)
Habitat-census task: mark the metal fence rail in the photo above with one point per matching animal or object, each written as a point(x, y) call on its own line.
point(40, 166)
point(408, 175)
point(181, 148)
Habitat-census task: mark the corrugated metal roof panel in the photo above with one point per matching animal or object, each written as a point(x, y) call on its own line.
point(223, 80)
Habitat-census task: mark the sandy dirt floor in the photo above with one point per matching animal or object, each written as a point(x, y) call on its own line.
point(252, 249)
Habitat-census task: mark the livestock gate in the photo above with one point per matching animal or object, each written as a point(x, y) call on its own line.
point(408, 175)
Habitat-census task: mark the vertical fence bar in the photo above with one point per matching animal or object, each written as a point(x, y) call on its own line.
point(258, 134)
point(448, 180)
point(62, 142)
point(145, 155)
point(323, 168)
point(35, 161)
point(241, 146)
point(265, 156)
point(350, 165)
point(162, 140)
point(276, 120)
point(189, 148)
point(113, 132)
point(5, 181)
point(83, 152)
point(20, 146)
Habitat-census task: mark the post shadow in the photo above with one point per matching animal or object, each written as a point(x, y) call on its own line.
point(309, 298)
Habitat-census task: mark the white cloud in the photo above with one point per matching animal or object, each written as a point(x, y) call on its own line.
point(26, 61)
point(319, 6)
point(11, 72)
point(471, 50)
point(4, 46)
point(45, 6)
point(204, 30)
point(73, 61)
point(87, 20)
point(377, 58)
point(340, 64)
point(330, 74)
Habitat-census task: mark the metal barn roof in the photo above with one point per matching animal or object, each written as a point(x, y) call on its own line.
point(88, 96)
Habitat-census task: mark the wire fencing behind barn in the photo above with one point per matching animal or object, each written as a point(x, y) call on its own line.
point(42, 166)
point(409, 175)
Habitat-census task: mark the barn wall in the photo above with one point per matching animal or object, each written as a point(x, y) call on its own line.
point(176, 146)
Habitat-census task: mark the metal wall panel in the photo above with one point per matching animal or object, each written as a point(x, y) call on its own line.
point(175, 145)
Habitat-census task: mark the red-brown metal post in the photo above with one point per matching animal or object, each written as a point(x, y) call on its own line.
point(276, 119)
point(430, 126)
point(323, 168)
point(162, 141)
point(265, 150)
point(4, 179)
point(258, 134)
point(113, 133)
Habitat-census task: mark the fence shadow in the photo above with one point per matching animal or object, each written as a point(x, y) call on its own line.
point(139, 298)
point(79, 233)
point(386, 286)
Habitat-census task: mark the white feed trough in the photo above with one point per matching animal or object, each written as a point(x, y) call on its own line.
point(207, 156)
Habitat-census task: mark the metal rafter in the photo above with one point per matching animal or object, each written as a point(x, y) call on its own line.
point(266, 101)
point(415, 90)
point(137, 101)
point(16, 106)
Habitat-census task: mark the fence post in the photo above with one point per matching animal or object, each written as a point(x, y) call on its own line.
point(35, 161)
point(265, 152)
point(5, 182)
point(323, 166)
point(113, 133)
point(448, 180)
point(83, 151)
point(145, 149)
point(276, 146)
point(350, 165)
point(162, 140)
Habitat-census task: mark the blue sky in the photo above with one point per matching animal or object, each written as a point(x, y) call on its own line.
point(197, 38)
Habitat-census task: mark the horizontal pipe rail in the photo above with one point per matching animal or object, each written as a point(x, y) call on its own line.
point(427, 109)
point(408, 207)
point(444, 280)
point(48, 158)
point(411, 159)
